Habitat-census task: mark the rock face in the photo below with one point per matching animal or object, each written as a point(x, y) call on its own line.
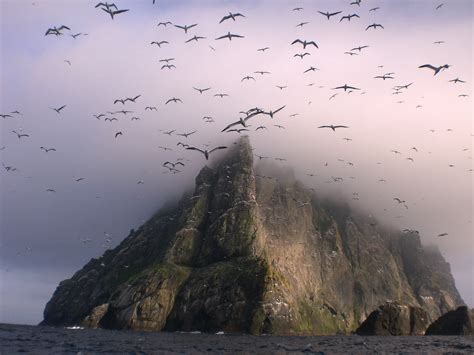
point(457, 322)
point(393, 318)
point(243, 254)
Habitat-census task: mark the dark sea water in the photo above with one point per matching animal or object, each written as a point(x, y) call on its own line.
point(16, 339)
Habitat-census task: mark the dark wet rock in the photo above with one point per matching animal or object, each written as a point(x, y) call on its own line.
point(240, 254)
point(457, 322)
point(97, 313)
point(393, 318)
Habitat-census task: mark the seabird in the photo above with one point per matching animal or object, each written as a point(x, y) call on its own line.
point(174, 99)
point(346, 87)
point(329, 15)
point(201, 90)
point(435, 69)
point(305, 43)
point(159, 43)
point(206, 152)
point(186, 27)
point(195, 38)
point(301, 55)
point(231, 16)
point(229, 36)
point(58, 110)
point(348, 17)
point(333, 127)
point(374, 26)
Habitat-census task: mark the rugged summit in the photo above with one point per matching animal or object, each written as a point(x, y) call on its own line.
point(245, 253)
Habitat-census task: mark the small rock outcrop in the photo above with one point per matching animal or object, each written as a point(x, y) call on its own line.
point(457, 322)
point(393, 318)
point(252, 250)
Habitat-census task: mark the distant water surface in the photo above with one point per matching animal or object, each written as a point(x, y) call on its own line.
point(16, 339)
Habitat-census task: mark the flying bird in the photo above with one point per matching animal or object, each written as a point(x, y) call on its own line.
point(132, 99)
point(47, 150)
point(301, 24)
point(195, 38)
point(186, 27)
point(329, 15)
point(56, 30)
point(231, 16)
point(305, 43)
point(112, 13)
point(58, 110)
point(346, 87)
point(186, 135)
point(247, 78)
point(301, 55)
point(263, 49)
point(164, 23)
point(360, 48)
point(435, 69)
point(118, 134)
point(374, 26)
point(383, 77)
point(174, 99)
point(229, 36)
point(271, 113)
point(201, 90)
point(205, 151)
point(457, 80)
point(333, 127)
point(348, 17)
point(310, 69)
point(159, 43)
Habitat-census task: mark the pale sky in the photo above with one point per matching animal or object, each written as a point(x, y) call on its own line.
point(42, 232)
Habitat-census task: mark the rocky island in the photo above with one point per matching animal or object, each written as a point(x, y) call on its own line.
point(253, 252)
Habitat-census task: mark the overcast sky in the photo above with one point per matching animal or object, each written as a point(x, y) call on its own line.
point(43, 233)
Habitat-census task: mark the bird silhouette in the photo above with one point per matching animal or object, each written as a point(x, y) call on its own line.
point(346, 87)
point(333, 127)
point(201, 90)
point(305, 43)
point(229, 36)
point(348, 17)
point(58, 110)
point(231, 16)
point(186, 27)
point(301, 55)
point(195, 38)
point(435, 69)
point(328, 14)
point(205, 151)
point(159, 43)
point(374, 26)
point(173, 99)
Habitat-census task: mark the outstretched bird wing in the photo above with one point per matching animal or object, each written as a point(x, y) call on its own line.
point(225, 18)
point(217, 148)
point(194, 148)
point(428, 66)
point(231, 125)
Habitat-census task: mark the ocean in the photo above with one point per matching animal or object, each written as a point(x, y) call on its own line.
point(16, 339)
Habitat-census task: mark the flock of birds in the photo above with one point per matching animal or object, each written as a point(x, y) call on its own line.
point(242, 124)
